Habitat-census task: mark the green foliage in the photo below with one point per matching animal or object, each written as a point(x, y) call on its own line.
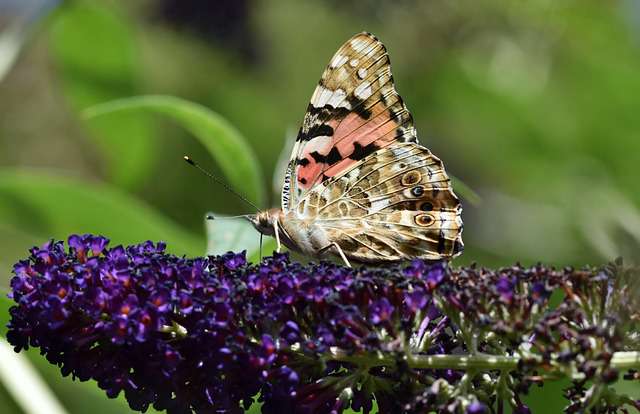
point(466, 192)
point(224, 143)
point(224, 234)
point(5, 304)
point(97, 57)
point(50, 205)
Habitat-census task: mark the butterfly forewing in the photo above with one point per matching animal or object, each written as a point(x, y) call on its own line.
point(354, 111)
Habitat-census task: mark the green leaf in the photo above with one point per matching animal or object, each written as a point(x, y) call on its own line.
point(12, 38)
point(49, 205)
point(13, 245)
point(465, 191)
point(25, 385)
point(78, 397)
point(97, 61)
point(223, 141)
point(235, 234)
point(5, 304)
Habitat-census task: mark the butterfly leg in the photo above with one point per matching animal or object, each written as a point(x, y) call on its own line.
point(277, 235)
point(342, 255)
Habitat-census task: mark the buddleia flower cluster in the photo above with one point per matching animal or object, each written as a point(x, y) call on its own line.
point(217, 334)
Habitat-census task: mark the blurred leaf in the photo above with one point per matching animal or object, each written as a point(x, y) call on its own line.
point(464, 191)
point(5, 304)
point(11, 40)
point(97, 59)
point(223, 141)
point(237, 234)
point(49, 205)
point(503, 233)
point(13, 245)
point(608, 221)
point(17, 21)
point(79, 397)
point(8, 405)
point(547, 399)
point(6, 401)
point(23, 382)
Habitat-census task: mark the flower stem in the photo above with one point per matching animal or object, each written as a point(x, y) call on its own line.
point(626, 360)
point(464, 362)
point(478, 362)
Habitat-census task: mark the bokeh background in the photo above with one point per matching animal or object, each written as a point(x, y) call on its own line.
point(533, 105)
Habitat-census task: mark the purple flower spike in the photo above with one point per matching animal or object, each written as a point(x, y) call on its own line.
point(213, 334)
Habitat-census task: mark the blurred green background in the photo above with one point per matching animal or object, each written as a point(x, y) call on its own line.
point(534, 105)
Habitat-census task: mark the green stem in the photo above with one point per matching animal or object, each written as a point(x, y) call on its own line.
point(479, 362)
point(464, 362)
point(625, 360)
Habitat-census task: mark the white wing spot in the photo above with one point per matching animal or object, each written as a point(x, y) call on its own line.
point(338, 60)
point(380, 204)
point(363, 91)
point(322, 144)
point(398, 152)
point(383, 77)
point(324, 96)
point(362, 73)
point(354, 62)
point(359, 44)
point(337, 99)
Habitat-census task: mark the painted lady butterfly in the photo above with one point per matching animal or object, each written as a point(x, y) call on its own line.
point(358, 184)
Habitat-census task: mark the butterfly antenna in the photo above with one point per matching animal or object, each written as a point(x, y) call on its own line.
point(219, 181)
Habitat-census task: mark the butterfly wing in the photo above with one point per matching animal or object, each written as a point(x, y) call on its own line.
point(354, 111)
point(357, 172)
point(395, 204)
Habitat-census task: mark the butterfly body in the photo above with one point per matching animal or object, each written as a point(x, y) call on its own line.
point(359, 185)
point(297, 233)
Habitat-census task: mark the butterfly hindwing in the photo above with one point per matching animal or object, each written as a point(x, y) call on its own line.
point(354, 111)
point(395, 204)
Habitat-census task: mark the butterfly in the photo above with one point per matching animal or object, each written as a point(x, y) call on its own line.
point(358, 184)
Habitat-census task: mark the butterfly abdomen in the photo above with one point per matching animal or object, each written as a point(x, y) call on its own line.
point(305, 236)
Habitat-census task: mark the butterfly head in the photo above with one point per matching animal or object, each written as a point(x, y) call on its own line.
point(264, 220)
